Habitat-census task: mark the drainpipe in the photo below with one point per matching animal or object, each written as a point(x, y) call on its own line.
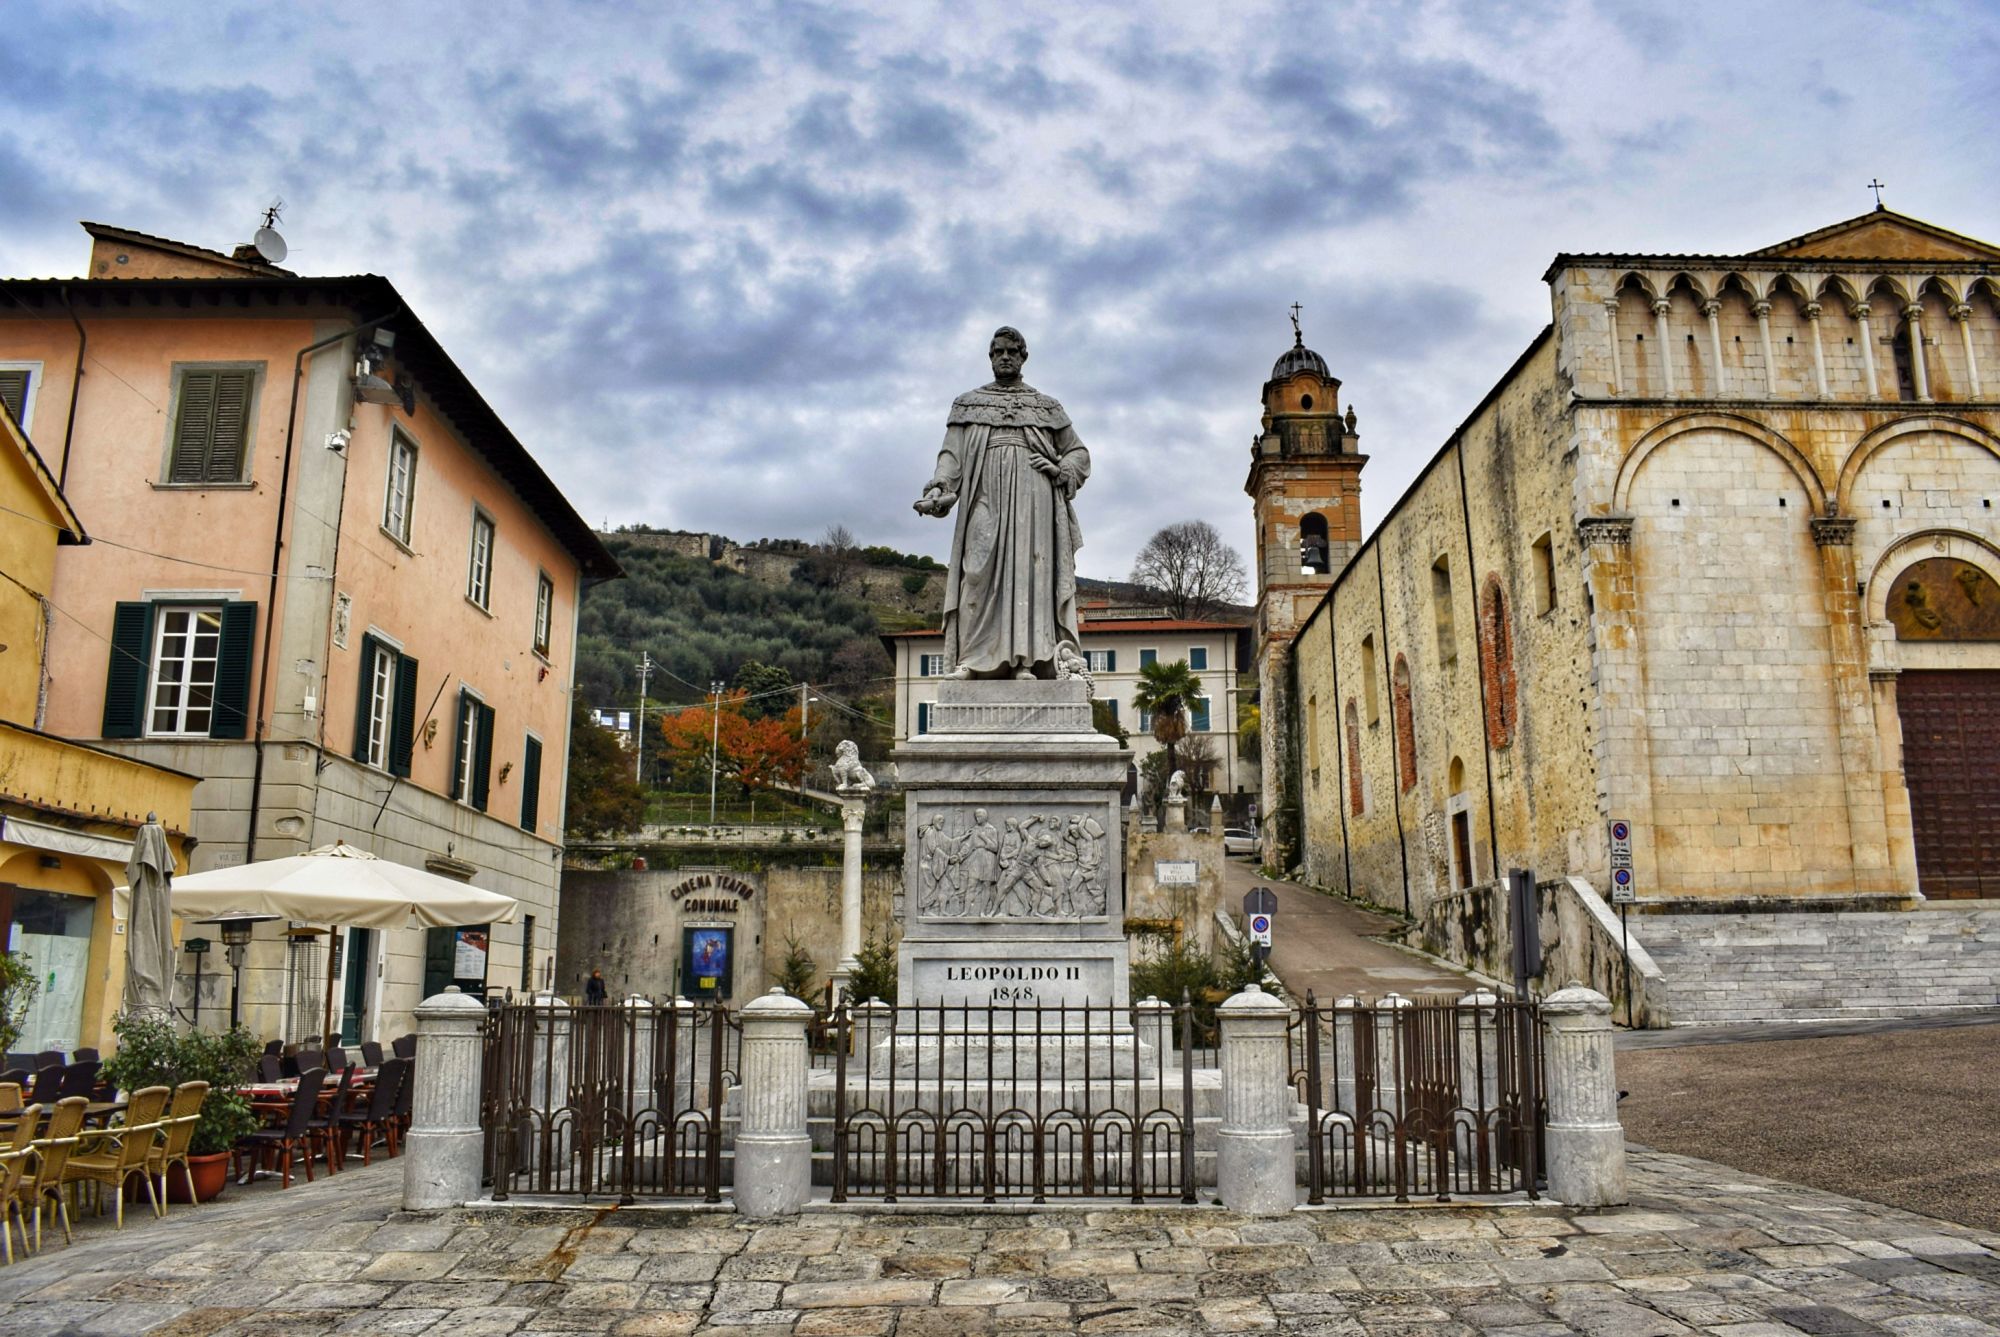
point(1479, 660)
point(277, 555)
point(75, 384)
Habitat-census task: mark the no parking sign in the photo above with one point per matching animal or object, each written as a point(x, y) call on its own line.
point(1260, 929)
point(1622, 886)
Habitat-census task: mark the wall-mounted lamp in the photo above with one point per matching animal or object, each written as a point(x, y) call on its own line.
point(430, 733)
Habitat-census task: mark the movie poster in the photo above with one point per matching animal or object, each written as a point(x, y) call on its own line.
point(705, 968)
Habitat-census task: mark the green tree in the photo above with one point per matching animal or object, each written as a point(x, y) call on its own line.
point(874, 971)
point(765, 689)
point(1105, 720)
point(1169, 691)
point(604, 799)
point(1249, 731)
point(798, 975)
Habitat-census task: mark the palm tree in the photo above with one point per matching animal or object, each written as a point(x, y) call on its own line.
point(1169, 691)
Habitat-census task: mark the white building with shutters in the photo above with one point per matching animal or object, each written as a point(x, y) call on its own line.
point(325, 578)
point(1217, 652)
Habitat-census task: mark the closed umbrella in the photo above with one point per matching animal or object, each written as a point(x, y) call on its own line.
point(149, 931)
point(339, 885)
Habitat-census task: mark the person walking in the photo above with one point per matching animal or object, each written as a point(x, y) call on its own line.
point(593, 989)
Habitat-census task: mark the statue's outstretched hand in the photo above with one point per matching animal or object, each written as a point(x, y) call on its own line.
point(935, 501)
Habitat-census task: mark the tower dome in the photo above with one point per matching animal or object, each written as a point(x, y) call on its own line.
point(1299, 358)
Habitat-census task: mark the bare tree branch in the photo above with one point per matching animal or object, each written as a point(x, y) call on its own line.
point(1192, 569)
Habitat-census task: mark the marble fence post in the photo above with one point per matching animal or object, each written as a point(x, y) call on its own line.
point(641, 1016)
point(1389, 1061)
point(1586, 1144)
point(773, 1146)
point(1478, 1069)
point(1154, 1021)
point(442, 1153)
point(1254, 1165)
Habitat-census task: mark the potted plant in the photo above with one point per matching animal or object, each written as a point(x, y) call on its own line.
point(151, 1052)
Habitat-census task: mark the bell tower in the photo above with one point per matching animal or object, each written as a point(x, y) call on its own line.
point(1305, 492)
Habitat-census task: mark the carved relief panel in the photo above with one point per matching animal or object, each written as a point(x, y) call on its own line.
point(1013, 863)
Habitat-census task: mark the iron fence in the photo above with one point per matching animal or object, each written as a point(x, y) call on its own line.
point(623, 1100)
point(1013, 1102)
point(1427, 1097)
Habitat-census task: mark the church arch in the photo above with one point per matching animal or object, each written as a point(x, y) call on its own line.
point(1711, 422)
point(1890, 432)
point(1315, 549)
point(1971, 549)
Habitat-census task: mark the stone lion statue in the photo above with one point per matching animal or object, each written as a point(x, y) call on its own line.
point(1177, 787)
point(849, 775)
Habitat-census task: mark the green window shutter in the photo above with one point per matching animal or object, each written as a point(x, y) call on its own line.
point(403, 719)
point(131, 666)
point(364, 697)
point(531, 784)
point(458, 745)
point(209, 432)
point(231, 716)
point(482, 757)
point(14, 393)
point(1110, 661)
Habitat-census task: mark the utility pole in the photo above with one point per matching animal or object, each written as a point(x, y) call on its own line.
point(805, 708)
point(645, 672)
point(714, 746)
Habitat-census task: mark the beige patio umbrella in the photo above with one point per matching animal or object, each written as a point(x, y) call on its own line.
point(343, 887)
point(149, 930)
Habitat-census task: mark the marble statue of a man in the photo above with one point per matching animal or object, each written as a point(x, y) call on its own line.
point(1011, 462)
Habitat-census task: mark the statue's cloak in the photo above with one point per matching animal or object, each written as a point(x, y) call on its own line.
point(1011, 591)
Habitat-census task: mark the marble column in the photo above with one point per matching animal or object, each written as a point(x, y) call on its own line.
point(1254, 1165)
point(1812, 312)
point(1478, 1071)
point(852, 811)
point(1388, 1051)
point(1346, 1098)
point(1660, 309)
point(1914, 313)
point(1962, 316)
point(445, 1145)
point(773, 1146)
point(636, 1049)
point(1861, 313)
point(1586, 1144)
point(1713, 310)
point(1611, 326)
point(1762, 310)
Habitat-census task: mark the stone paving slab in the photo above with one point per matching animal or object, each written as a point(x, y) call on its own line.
point(1702, 1249)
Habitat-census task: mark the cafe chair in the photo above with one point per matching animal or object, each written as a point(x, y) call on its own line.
point(377, 1118)
point(48, 1081)
point(287, 1139)
point(52, 1152)
point(13, 1170)
point(371, 1053)
point(270, 1068)
point(79, 1079)
point(172, 1150)
point(110, 1157)
point(405, 1046)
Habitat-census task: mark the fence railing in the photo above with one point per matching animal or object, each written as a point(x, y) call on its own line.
point(1013, 1102)
point(1432, 1097)
point(623, 1100)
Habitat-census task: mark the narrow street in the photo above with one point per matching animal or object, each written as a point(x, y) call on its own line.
point(1325, 945)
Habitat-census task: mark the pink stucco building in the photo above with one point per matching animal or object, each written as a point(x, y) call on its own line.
point(354, 619)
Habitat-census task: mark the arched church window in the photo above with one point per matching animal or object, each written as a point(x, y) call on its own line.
point(1356, 797)
point(1906, 375)
point(1496, 655)
point(1315, 550)
point(1406, 727)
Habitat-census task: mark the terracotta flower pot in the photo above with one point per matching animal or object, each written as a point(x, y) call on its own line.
point(211, 1176)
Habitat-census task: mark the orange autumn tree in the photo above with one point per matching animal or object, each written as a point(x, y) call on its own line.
point(753, 753)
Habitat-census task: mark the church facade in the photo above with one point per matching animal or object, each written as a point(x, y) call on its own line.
point(1717, 558)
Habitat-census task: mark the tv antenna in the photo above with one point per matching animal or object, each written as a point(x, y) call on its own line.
point(269, 244)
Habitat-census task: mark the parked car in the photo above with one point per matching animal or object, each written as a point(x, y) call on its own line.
point(1236, 840)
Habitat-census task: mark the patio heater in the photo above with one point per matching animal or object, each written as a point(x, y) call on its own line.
point(236, 929)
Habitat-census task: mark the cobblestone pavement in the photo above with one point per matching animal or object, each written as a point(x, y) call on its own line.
point(1903, 1116)
point(1701, 1249)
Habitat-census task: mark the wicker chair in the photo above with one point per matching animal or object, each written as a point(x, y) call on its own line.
point(173, 1149)
point(13, 1169)
point(10, 1097)
point(52, 1152)
point(111, 1156)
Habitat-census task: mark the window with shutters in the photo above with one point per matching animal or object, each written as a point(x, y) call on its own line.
point(1148, 657)
point(186, 651)
point(545, 612)
point(1102, 661)
point(923, 717)
point(479, 574)
point(18, 383)
point(1197, 657)
point(930, 666)
point(213, 408)
point(468, 735)
point(531, 782)
point(1198, 716)
point(401, 492)
point(381, 704)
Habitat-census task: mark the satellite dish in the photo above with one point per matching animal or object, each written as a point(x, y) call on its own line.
point(269, 245)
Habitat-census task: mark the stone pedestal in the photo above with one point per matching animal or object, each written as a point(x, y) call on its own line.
point(1174, 815)
point(773, 1144)
point(1013, 875)
point(1255, 1170)
point(1586, 1143)
point(441, 1153)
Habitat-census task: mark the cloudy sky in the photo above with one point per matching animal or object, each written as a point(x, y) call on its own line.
point(723, 266)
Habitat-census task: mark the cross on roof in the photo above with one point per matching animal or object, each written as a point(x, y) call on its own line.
point(1876, 186)
point(1298, 336)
